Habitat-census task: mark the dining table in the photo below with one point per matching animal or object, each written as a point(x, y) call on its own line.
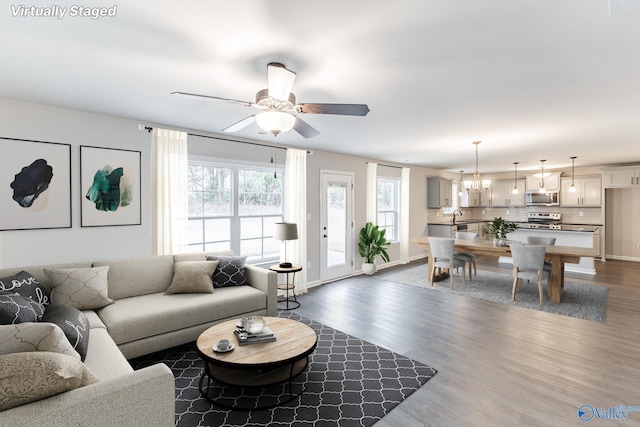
point(558, 255)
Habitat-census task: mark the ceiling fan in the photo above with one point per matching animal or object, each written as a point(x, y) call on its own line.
point(279, 105)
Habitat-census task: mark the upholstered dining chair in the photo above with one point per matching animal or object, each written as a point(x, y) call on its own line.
point(442, 253)
point(546, 241)
point(468, 258)
point(528, 263)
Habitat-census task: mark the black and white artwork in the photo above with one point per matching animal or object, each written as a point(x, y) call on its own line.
point(35, 184)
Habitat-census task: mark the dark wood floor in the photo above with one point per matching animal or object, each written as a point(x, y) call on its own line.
point(498, 365)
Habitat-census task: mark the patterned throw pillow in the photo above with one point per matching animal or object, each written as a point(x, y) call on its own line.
point(192, 277)
point(31, 336)
point(73, 323)
point(27, 377)
point(26, 285)
point(230, 271)
point(18, 309)
point(82, 288)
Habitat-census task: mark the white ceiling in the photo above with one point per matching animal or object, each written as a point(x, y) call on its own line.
point(531, 79)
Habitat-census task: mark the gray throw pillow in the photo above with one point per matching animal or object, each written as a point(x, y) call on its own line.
point(73, 323)
point(229, 272)
point(192, 277)
point(18, 309)
point(26, 285)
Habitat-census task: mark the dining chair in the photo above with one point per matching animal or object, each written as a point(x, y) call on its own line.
point(469, 258)
point(546, 241)
point(528, 263)
point(442, 253)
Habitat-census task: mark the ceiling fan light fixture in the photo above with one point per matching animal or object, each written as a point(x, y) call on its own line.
point(275, 122)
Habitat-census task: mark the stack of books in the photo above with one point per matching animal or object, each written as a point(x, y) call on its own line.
point(245, 337)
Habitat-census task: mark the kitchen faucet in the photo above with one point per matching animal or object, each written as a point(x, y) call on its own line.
point(453, 216)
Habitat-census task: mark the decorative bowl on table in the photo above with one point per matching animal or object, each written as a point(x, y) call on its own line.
point(254, 324)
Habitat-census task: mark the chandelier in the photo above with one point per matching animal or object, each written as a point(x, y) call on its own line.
point(477, 182)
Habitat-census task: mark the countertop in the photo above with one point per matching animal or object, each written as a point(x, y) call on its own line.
point(588, 228)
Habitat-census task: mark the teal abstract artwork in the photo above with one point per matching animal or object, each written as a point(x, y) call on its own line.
point(109, 191)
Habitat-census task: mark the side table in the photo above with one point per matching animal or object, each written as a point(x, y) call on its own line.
point(288, 286)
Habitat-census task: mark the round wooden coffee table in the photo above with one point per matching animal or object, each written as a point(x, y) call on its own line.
point(257, 364)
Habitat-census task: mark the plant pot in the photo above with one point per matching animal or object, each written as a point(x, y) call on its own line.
point(368, 268)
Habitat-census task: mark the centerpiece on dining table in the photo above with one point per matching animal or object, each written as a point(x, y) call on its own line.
point(498, 228)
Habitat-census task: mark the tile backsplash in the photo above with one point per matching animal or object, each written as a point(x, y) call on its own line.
point(519, 214)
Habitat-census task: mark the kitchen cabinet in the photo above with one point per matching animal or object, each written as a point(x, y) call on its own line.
point(621, 177)
point(551, 182)
point(439, 193)
point(472, 198)
point(589, 192)
point(502, 193)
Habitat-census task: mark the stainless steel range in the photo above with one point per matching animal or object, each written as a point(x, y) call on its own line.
point(543, 220)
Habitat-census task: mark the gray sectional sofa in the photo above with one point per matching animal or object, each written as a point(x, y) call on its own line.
point(143, 319)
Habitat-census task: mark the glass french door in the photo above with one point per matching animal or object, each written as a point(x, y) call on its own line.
point(337, 225)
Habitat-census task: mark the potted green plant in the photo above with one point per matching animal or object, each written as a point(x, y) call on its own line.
point(372, 243)
point(498, 228)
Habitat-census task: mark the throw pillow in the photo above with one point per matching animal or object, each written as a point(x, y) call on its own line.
point(192, 277)
point(27, 377)
point(35, 337)
point(82, 288)
point(26, 285)
point(73, 323)
point(229, 272)
point(18, 309)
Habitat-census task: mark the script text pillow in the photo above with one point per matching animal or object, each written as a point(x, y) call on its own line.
point(27, 377)
point(230, 271)
point(82, 288)
point(73, 323)
point(26, 285)
point(39, 336)
point(18, 309)
point(192, 277)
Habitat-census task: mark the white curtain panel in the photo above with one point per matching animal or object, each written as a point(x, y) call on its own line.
point(372, 192)
point(404, 215)
point(295, 210)
point(169, 196)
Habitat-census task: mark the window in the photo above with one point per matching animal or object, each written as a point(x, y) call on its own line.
point(234, 207)
point(389, 206)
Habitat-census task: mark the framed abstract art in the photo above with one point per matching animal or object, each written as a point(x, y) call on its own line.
point(35, 184)
point(109, 186)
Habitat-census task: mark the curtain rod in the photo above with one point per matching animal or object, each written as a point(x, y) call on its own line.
point(149, 129)
point(388, 166)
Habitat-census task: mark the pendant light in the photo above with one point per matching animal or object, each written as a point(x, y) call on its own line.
point(460, 185)
point(542, 189)
point(573, 188)
point(515, 179)
point(478, 183)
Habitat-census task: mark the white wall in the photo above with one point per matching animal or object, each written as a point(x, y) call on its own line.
point(23, 120)
point(54, 124)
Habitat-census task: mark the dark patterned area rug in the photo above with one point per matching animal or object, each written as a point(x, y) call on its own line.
point(349, 382)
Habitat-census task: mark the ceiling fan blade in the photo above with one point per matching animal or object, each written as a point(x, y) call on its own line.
point(340, 109)
point(304, 128)
point(280, 81)
point(195, 95)
point(240, 125)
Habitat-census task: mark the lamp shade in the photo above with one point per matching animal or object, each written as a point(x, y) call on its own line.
point(285, 231)
point(275, 121)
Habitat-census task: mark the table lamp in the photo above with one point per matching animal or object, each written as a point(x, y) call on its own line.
point(285, 231)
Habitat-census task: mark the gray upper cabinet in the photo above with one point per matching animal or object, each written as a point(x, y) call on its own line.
point(439, 193)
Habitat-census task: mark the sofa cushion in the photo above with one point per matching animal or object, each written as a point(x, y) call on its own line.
point(201, 256)
point(82, 288)
point(230, 271)
point(15, 308)
point(192, 277)
point(27, 377)
point(138, 276)
point(35, 337)
point(73, 323)
point(138, 317)
point(104, 357)
point(26, 285)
